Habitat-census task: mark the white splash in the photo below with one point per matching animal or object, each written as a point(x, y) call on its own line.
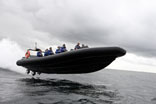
point(10, 52)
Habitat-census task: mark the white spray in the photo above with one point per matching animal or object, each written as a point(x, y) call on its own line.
point(10, 52)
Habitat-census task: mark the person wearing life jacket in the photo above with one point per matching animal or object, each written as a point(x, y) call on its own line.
point(84, 46)
point(77, 46)
point(39, 53)
point(46, 52)
point(27, 54)
point(50, 51)
point(58, 50)
point(63, 48)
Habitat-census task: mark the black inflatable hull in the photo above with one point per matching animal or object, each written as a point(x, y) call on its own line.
point(73, 62)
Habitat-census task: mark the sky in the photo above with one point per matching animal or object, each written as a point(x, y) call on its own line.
point(129, 24)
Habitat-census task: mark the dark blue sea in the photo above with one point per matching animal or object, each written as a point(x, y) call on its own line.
point(104, 87)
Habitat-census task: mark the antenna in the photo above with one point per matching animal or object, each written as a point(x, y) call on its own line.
point(35, 45)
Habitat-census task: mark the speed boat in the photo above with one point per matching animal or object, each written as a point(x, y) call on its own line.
point(79, 61)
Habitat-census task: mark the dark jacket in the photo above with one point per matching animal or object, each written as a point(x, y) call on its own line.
point(77, 47)
point(63, 49)
point(46, 53)
point(58, 51)
point(39, 54)
point(50, 52)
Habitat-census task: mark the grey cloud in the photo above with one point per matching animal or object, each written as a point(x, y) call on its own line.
point(128, 24)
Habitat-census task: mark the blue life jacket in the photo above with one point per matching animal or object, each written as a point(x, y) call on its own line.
point(46, 53)
point(77, 47)
point(58, 51)
point(63, 49)
point(50, 52)
point(39, 54)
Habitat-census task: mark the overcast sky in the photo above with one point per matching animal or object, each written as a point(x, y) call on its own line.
point(130, 24)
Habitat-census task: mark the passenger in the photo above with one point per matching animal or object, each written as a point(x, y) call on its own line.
point(84, 46)
point(58, 50)
point(77, 46)
point(50, 51)
point(63, 48)
point(27, 54)
point(39, 53)
point(46, 52)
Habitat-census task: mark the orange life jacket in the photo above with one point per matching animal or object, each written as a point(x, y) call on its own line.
point(27, 54)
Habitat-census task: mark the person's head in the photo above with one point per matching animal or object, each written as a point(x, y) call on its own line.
point(83, 45)
point(64, 45)
point(50, 48)
point(78, 43)
point(58, 47)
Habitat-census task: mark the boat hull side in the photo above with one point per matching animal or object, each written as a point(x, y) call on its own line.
point(71, 67)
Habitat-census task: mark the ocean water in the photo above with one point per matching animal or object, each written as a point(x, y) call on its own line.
point(103, 87)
